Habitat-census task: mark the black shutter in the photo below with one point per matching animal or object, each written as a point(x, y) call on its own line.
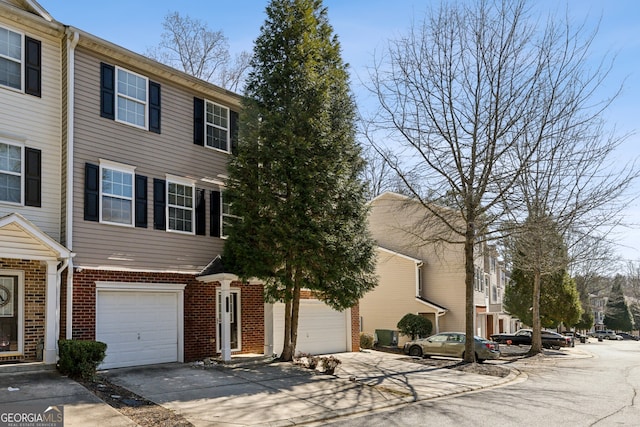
point(33, 177)
point(234, 131)
point(141, 201)
point(198, 121)
point(159, 204)
point(91, 192)
point(107, 91)
point(201, 214)
point(215, 214)
point(154, 107)
point(33, 67)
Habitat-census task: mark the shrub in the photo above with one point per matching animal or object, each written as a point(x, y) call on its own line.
point(329, 364)
point(366, 340)
point(414, 325)
point(80, 358)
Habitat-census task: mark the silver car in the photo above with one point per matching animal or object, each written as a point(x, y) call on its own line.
point(451, 344)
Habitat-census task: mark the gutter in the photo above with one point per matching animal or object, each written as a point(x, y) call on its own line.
point(72, 38)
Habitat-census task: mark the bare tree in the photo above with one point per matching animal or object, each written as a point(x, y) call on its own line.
point(471, 94)
point(188, 44)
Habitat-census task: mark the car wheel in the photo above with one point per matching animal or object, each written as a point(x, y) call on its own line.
point(478, 359)
point(555, 347)
point(415, 351)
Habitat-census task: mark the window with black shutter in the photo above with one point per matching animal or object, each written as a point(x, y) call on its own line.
point(216, 214)
point(33, 67)
point(201, 220)
point(141, 201)
point(154, 107)
point(91, 192)
point(107, 91)
point(33, 177)
point(159, 204)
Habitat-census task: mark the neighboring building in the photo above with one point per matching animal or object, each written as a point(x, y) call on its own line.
point(32, 259)
point(598, 304)
point(122, 160)
point(421, 276)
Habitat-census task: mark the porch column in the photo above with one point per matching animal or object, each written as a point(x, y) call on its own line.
point(225, 302)
point(51, 313)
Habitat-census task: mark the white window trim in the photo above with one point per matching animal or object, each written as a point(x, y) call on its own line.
point(146, 101)
point(107, 164)
point(223, 215)
point(20, 295)
point(22, 172)
point(228, 128)
point(189, 183)
point(22, 60)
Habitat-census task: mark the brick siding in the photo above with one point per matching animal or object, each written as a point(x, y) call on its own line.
point(199, 309)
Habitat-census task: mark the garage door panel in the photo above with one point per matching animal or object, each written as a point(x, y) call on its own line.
point(139, 327)
point(320, 328)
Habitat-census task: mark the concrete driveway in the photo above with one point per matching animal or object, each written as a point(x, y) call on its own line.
point(279, 394)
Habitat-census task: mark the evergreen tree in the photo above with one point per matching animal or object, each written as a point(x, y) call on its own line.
point(294, 181)
point(616, 315)
point(559, 300)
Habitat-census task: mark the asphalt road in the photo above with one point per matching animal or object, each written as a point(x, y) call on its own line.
point(601, 391)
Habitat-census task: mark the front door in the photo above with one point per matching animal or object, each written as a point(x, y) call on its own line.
point(234, 318)
point(9, 333)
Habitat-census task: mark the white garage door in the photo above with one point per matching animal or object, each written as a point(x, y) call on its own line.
point(139, 327)
point(321, 329)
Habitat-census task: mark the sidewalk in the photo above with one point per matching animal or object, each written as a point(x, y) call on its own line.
point(280, 394)
point(48, 388)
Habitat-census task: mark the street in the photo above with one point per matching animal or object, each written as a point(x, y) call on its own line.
point(555, 390)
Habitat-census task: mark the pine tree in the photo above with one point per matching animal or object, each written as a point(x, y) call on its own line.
point(294, 181)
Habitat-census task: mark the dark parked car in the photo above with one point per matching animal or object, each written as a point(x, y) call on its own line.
point(523, 337)
point(451, 344)
point(626, 336)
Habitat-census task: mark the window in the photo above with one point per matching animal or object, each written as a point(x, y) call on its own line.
point(217, 126)
point(10, 59)
point(116, 193)
point(131, 90)
point(228, 218)
point(180, 206)
point(20, 62)
point(10, 173)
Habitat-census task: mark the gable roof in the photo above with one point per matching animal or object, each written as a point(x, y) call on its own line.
point(28, 241)
point(31, 6)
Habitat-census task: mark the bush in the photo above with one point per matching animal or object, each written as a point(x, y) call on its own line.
point(80, 358)
point(366, 340)
point(414, 326)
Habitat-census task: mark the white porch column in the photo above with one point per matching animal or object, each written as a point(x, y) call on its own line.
point(225, 319)
point(51, 313)
point(268, 329)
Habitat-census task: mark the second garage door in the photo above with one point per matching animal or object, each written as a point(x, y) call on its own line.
point(321, 329)
point(139, 327)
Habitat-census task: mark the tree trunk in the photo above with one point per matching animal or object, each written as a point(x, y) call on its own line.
point(469, 268)
point(287, 350)
point(536, 337)
point(295, 310)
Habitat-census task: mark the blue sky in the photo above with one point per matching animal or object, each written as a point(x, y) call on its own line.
point(363, 26)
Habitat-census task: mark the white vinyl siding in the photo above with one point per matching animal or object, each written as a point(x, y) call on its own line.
point(36, 122)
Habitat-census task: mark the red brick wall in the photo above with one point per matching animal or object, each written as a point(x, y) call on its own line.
point(355, 327)
point(199, 309)
point(35, 279)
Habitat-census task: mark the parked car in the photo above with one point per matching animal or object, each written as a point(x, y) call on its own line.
point(607, 335)
point(626, 336)
point(575, 336)
point(452, 344)
point(523, 337)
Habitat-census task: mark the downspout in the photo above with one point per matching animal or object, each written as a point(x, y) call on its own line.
point(65, 264)
point(72, 41)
